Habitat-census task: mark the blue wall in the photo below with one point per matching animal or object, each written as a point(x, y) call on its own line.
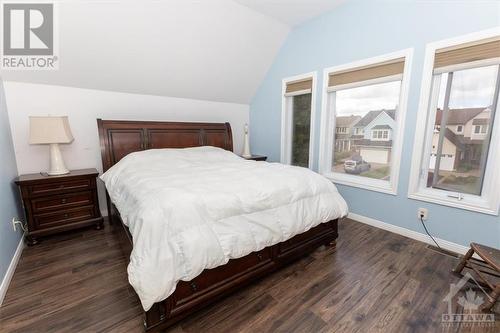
point(362, 29)
point(9, 198)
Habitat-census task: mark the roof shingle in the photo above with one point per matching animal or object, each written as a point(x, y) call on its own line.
point(368, 118)
point(346, 121)
point(458, 116)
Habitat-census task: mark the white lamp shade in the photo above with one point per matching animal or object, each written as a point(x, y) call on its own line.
point(46, 130)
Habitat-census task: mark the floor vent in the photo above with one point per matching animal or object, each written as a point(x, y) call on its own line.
point(443, 251)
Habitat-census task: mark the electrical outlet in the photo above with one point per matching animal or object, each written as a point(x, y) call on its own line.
point(15, 222)
point(422, 213)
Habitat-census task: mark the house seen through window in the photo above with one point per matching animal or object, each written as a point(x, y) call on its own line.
point(465, 113)
point(456, 150)
point(365, 109)
point(368, 113)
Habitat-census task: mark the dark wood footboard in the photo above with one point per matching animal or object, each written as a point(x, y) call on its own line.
point(213, 284)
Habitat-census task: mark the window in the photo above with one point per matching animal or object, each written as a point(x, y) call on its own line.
point(369, 99)
point(480, 129)
point(298, 120)
point(380, 134)
point(463, 87)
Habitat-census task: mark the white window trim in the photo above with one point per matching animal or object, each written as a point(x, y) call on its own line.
point(489, 201)
point(328, 122)
point(286, 144)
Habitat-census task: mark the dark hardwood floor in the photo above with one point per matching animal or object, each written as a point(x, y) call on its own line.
point(373, 281)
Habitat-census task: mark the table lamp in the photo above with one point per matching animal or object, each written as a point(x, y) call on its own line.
point(52, 131)
point(246, 145)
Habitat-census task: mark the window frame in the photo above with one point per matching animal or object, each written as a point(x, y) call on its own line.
point(286, 138)
point(328, 119)
point(489, 200)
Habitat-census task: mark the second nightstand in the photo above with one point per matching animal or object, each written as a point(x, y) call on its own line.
point(57, 203)
point(256, 158)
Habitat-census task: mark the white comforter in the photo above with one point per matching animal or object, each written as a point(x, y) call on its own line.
point(196, 208)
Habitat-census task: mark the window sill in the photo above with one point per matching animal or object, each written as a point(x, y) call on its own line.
point(369, 184)
point(479, 205)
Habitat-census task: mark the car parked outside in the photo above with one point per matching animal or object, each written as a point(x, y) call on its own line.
point(356, 165)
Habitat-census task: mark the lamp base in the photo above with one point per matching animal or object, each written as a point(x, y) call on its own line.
point(246, 146)
point(57, 173)
point(57, 166)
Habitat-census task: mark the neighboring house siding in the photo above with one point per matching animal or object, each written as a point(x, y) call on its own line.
point(469, 128)
point(382, 119)
point(373, 150)
point(448, 154)
point(474, 136)
point(344, 131)
point(467, 150)
point(454, 129)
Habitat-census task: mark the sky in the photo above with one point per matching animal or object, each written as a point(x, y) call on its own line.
point(358, 101)
point(470, 88)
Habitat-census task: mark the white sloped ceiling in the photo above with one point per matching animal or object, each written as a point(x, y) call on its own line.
point(218, 50)
point(291, 12)
point(213, 50)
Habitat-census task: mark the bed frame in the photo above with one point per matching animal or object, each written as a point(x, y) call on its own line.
point(119, 138)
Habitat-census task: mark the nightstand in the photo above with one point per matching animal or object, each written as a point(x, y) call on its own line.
point(58, 203)
point(256, 158)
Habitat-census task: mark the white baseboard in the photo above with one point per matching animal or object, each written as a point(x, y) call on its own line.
point(447, 245)
point(10, 271)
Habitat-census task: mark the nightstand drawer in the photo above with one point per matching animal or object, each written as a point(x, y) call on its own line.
point(56, 188)
point(63, 201)
point(63, 217)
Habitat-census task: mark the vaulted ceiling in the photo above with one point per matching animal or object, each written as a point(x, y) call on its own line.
point(216, 50)
point(291, 12)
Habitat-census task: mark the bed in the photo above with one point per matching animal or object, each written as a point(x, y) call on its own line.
point(212, 244)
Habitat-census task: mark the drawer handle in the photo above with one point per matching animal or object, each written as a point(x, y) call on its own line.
point(259, 255)
point(63, 201)
point(194, 287)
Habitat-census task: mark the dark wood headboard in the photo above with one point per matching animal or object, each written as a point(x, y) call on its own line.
point(119, 137)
